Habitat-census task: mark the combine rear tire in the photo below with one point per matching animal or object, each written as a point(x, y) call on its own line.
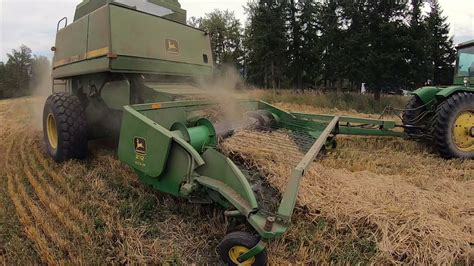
point(236, 244)
point(413, 112)
point(64, 127)
point(454, 126)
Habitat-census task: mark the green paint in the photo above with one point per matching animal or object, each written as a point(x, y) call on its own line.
point(426, 94)
point(181, 160)
point(259, 248)
point(89, 6)
point(169, 144)
point(113, 38)
point(434, 95)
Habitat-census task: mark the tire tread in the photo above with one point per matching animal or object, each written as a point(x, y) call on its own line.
point(71, 126)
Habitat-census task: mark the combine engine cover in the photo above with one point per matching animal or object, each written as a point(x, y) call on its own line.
point(131, 36)
point(170, 9)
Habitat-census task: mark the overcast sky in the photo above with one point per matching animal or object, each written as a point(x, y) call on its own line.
point(33, 23)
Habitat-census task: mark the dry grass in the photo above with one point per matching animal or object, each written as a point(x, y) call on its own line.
point(372, 200)
point(30, 229)
point(386, 199)
point(94, 212)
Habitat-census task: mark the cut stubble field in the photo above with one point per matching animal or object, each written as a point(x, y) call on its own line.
point(372, 200)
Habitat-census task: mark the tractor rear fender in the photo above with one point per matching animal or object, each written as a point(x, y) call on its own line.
point(446, 92)
point(427, 94)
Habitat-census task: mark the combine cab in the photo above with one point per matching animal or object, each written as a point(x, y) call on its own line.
point(444, 116)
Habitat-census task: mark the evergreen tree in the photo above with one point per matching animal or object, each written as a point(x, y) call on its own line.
point(356, 42)
point(386, 44)
point(295, 41)
point(440, 48)
point(332, 40)
point(311, 48)
point(417, 47)
point(381, 41)
point(266, 43)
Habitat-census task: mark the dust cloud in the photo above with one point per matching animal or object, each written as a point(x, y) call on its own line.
point(41, 88)
point(223, 89)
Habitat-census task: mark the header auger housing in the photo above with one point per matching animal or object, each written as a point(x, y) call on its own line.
point(127, 68)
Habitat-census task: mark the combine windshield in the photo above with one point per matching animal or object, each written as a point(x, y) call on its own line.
point(465, 65)
point(147, 7)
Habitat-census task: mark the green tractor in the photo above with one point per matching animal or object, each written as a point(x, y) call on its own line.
point(444, 116)
point(132, 70)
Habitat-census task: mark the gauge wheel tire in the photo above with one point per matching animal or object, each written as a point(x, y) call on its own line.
point(64, 127)
point(454, 126)
point(237, 243)
point(412, 112)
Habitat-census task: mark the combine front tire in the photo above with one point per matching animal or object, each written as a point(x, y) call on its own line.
point(236, 244)
point(454, 126)
point(64, 127)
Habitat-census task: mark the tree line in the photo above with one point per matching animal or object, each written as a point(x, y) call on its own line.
point(305, 44)
point(331, 44)
point(22, 72)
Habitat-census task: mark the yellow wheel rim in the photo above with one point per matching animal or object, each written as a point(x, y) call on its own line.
point(51, 131)
point(236, 252)
point(462, 131)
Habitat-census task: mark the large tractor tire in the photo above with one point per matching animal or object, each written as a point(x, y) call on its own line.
point(413, 112)
point(453, 126)
point(64, 127)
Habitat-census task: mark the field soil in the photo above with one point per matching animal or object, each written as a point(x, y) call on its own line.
point(372, 200)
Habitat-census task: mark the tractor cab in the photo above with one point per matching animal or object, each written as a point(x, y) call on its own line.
point(464, 74)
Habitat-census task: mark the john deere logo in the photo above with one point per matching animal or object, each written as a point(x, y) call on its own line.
point(140, 146)
point(172, 46)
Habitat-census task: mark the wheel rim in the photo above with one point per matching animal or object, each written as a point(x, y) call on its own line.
point(236, 252)
point(462, 128)
point(51, 131)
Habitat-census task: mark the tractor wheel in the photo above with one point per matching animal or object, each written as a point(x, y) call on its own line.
point(413, 112)
point(236, 244)
point(64, 127)
point(454, 126)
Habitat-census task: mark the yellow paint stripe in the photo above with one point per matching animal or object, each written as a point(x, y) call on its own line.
point(97, 53)
point(91, 54)
point(156, 106)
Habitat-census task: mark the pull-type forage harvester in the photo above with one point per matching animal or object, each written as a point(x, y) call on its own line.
point(126, 68)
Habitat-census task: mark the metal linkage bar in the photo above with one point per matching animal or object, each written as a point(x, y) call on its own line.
point(288, 201)
point(358, 126)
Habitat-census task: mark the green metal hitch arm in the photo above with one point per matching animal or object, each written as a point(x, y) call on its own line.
point(357, 126)
point(288, 201)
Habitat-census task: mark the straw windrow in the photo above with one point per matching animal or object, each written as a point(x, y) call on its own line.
point(372, 200)
point(413, 208)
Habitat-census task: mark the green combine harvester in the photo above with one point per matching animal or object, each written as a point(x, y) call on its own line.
point(130, 69)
